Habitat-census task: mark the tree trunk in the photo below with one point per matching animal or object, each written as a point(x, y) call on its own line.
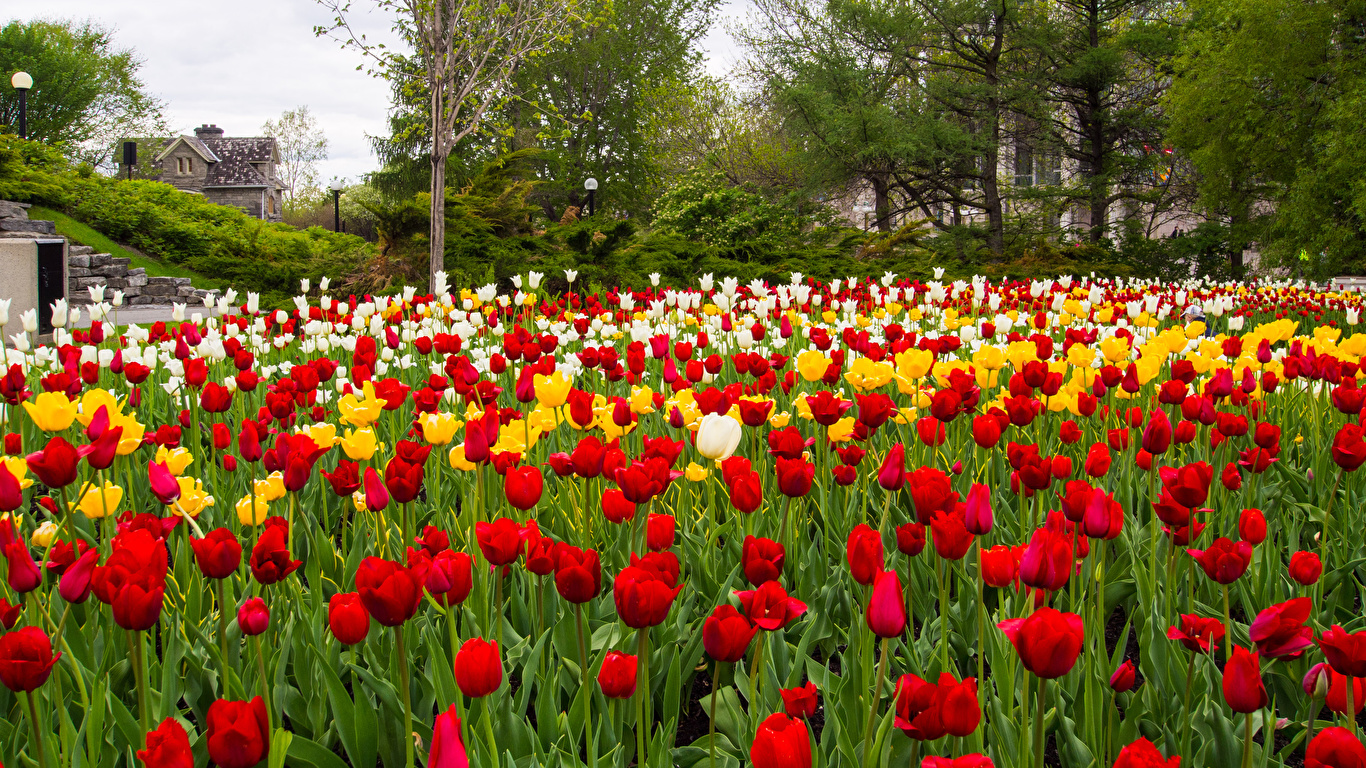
point(991, 192)
point(437, 252)
point(881, 202)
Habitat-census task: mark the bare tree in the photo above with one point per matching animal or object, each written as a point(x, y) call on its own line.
point(466, 54)
point(302, 145)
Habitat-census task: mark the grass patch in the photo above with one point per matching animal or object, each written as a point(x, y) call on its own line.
point(82, 234)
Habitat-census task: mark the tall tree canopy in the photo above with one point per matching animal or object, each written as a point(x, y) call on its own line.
point(87, 92)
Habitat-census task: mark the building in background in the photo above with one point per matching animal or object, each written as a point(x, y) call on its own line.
point(227, 170)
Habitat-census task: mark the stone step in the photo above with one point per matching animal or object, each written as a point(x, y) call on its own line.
point(79, 250)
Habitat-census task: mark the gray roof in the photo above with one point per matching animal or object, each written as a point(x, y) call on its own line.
point(236, 155)
point(231, 159)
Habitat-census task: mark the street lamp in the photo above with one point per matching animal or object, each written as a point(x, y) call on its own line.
point(336, 187)
point(22, 81)
point(591, 185)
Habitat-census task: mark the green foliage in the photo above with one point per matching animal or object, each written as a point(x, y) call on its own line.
point(703, 207)
point(82, 234)
point(179, 228)
point(87, 93)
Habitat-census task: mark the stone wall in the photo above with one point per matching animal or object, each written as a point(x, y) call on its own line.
point(248, 199)
point(85, 268)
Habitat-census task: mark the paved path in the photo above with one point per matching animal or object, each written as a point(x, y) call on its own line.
point(147, 314)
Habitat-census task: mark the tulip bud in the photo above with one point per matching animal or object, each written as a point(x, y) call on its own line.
point(1122, 680)
point(253, 617)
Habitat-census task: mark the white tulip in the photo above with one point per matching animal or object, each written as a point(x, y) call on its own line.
point(654, 278)
point(571, 275)
point(59, 313)
point(441, 286)
point(718, 436)
point(20, 341)
point(208, 301)
point(177, 312)
point(253, 302)
point(707, 282)
point(96, 293)
point(323, 283)
point(517, 282)
point(534, 279)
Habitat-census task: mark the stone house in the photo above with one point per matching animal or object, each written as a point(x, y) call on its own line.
point(236, 171)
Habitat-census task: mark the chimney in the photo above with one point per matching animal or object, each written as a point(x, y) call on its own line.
point(207, 131)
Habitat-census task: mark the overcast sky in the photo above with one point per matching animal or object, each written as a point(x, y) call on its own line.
point(242, 62)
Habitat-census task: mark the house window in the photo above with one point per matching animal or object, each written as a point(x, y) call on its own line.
point(1024, 166)
point(184, 164)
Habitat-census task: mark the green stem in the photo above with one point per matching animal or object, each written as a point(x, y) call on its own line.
point(223, 635)
point(875, 703)
point(140, 677)
point(1186, 707)
point(1247, 740)
point(586, 689)
point(488, 730)
point(940, 567)
point(1228, 628)
point(711, 723)
point(407, 697)
point(265, 681)
point(642, 686)
point(38, 733)
point(1038, 724)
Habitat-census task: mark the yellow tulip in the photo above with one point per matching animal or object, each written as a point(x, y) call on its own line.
point(97, 502)
point(1115, 349)
point(864, 374)
point(193, 499)
point(324, 434)
point(439, 428)
point(359, 444)
point(42, 538)
point(131, 439)
point(914, 363)
point(457, 457)
point(360, 412)
point(91, 401)
point(842, 430)
point(175, 459)
point(552, 391)
point(18, 467)
point(1080, 356)
point(812, 365)
point(51, 411)
point(252, 510)
point(642, 400)
point(695, 472)
point(272, 487)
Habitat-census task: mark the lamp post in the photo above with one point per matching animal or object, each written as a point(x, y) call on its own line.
point(22, 81)
point(591, 185)
point(336, 205)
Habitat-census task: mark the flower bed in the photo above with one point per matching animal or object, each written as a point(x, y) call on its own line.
point(1074, 522)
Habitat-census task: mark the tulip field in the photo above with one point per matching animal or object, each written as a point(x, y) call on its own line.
point(875, 522)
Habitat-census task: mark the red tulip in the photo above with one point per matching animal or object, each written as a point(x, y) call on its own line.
point(617, 678)
point(578, 573)
point(746, 492)
point(1305, 568)
point(1223, 561)
point(974, 760)
point(450, 577)
point(133, 580)
point(659, 532)
point(22, 574)
point(910, 539)
point(238, 733)
point(167, 747)
point(643, 594)
point(448, 746)
point(434, 540)
point(1197, 634)
point(376, 493)
point(218, 554)
point(345, 480)
point(499, 541)
point(986, 431)
point(1279, 631)
point(977, 515)
point(1336, 696)
point(886, 613)
point(1157, 436)
point(478, 668)
point(75, 584)
point(951, 537)
point(1098, 461)
point(403, 479)
point(347, 618)
point(801, 701)
point(1335, 747)
point(1188, 485)
point(770, 607)
point(795, 476)
point(781, 742)
point(1123, 678)
point(26, 659)
point(253, 617)
point(616, 507)
point(1047, 642)
point(1143, 754)
point(1346, 652)
point(390, 592)
point(864, 553)
point(1048, 560)
point(726, 634)
point(270, 562)
point(892, 474)
point(931, 492)
point(1349, 449)
point(999, 568)
point(56, 465)
point(523, 487)
point(1243, 689)
point(761, 560)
